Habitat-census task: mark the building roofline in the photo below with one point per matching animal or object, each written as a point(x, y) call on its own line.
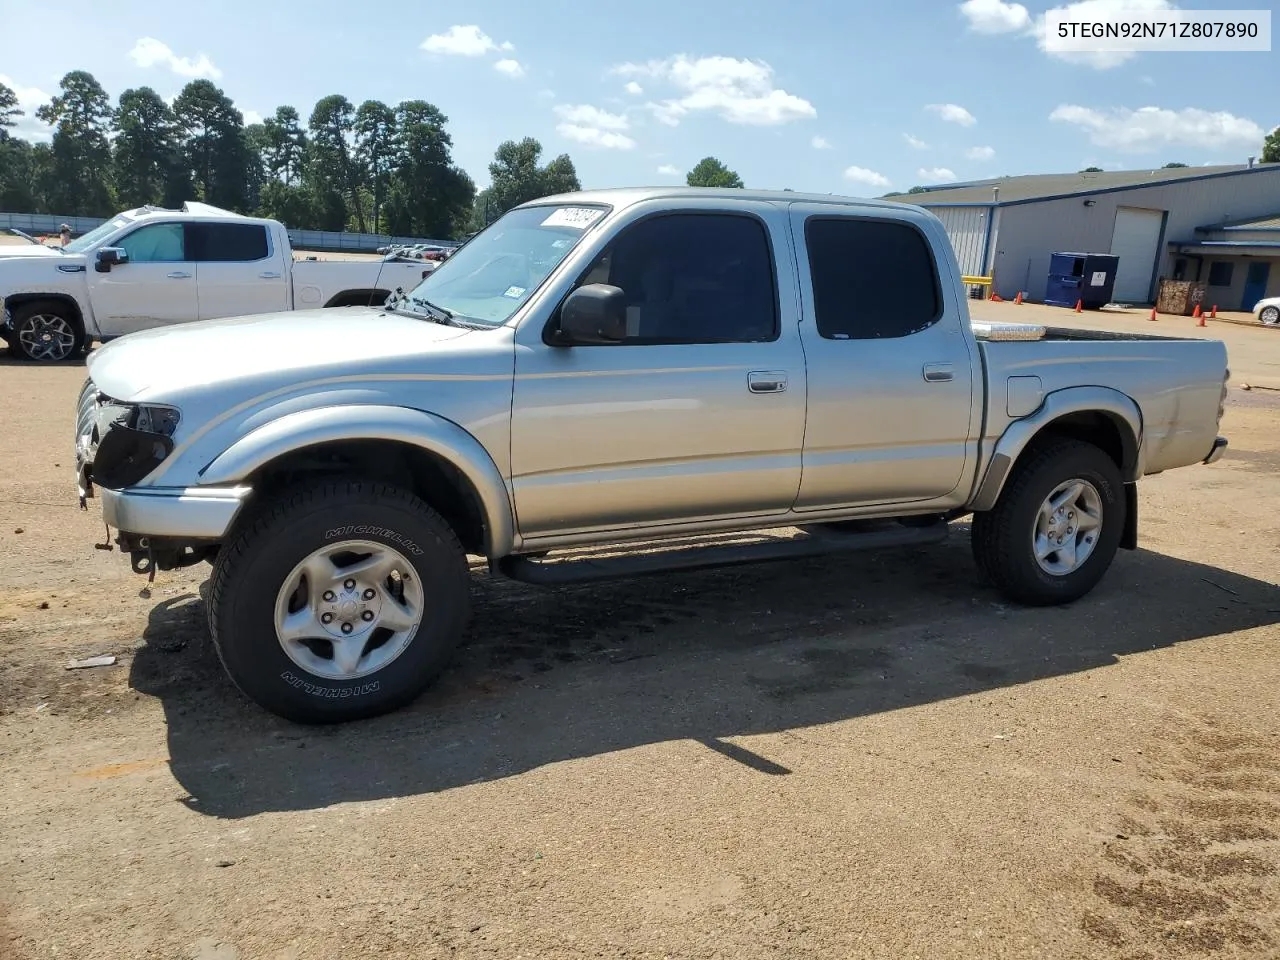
point(1098, 191)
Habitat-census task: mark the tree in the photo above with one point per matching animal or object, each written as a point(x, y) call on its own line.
point(377, 146)
point(429, 195)
point(1092, 170)
point(331, 172)
point(517, 178)
point(145, 151)
point(284, 145)
point(81, 153)
point(9, 111)
point(1271, 147)
point(710, 172)
point(214, 152)
point(1173, 166)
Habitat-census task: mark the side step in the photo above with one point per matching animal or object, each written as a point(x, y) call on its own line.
point(814, 544)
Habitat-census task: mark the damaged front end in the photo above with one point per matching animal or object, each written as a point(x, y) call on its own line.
point(119, 445)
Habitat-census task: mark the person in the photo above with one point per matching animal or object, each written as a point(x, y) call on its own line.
point(64, 232)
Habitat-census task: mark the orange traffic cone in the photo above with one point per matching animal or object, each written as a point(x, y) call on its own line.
point(1153, 314)
point(1018, 298)
point(1079, 306)
point(1199, 319)
point(1196, 312)
point(1213, 314)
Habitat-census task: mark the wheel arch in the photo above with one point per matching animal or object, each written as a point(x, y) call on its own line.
point(1102, 416)
point(439, 460)
point(17, 300)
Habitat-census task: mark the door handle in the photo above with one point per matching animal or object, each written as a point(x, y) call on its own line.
point(938, 372)
point(269, 275)
point(767, 381)
point(179, 275)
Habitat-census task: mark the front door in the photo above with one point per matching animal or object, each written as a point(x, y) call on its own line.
point(1255, 285)
point(240, 273)
point(698, 414)
point(156, 287)
point(892, 416)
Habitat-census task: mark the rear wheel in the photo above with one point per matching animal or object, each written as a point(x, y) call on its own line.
point(46, 331)
point(1056, 527)
point(1269, 315)
point(344, 601)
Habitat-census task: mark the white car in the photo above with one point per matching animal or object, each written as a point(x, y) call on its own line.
point(151, 267)
point(1267, 311)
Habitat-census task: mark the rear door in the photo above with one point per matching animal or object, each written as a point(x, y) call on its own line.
point(891, 377)
point(240, 269)
point(157, 285)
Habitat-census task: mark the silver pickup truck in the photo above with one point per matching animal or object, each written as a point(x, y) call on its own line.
point(609, 367)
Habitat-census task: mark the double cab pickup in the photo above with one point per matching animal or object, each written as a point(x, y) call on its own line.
point(608, 367)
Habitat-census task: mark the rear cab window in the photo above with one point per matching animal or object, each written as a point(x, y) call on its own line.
point(227, 242)
point(872, 279)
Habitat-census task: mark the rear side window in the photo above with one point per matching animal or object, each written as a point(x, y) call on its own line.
point(227, 242)
point(872, 279)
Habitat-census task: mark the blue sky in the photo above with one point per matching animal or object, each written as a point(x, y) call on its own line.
point(829, 96)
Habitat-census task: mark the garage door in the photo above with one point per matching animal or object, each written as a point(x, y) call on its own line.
point(1136, 241)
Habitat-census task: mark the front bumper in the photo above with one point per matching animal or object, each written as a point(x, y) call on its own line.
point(177, 513)
point(1219, 448)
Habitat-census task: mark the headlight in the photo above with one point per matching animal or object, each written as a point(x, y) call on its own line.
point(153, 418)
point(131, 441)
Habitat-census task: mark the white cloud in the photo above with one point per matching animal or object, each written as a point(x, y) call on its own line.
point(594, 127)
point(738, 91)
point(510, 67)
point(251, 117)
point(936, 174)
point(30, 99)
point(546, 94)
point(1148, 128)
point(669, 170)
point(980, 153)
point(993, 16)
point(863, 175)
point(953, 113)
point(463, 41)
point(915, 142)
point(1096, 10)
point(149, 52)
point(820, 143)
point(634, 88)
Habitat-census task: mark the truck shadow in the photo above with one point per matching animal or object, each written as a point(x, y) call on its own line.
point(560, 674)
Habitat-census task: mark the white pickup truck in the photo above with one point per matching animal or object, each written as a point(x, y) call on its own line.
point(152, 267)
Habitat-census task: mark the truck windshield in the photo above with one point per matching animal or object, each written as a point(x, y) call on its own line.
point(490, 277)
point(97, 233)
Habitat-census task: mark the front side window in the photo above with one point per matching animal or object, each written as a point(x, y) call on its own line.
point(499, 269)
point(155, 243)
point(693, 278)
point(872, 279)
point(227, 242)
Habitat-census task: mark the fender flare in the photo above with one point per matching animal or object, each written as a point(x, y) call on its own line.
point(415, 428)
point(1119, 408)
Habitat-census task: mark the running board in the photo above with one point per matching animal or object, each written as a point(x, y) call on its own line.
point(587, 570)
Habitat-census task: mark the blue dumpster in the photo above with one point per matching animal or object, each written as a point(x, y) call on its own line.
point(1089, 278)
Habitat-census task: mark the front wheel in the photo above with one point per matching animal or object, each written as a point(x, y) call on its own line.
point(46, 332)
point(1270, 316)
point(342, 602)
point(1056, 527)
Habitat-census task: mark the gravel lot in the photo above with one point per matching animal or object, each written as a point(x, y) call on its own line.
point(871, 756)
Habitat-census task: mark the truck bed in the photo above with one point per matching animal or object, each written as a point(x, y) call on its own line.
point(1178, 383)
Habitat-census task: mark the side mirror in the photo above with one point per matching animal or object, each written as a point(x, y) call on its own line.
point(109, 257)
point(594, 313)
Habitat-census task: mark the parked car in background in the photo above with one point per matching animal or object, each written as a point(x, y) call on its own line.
point(152, 267)
point(618, 366)
point(1267, 311)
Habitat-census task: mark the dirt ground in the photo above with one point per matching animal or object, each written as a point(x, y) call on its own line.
point(871, 756)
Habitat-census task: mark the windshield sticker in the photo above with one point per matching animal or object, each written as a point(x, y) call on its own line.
point(515, 293)
point(579, 218)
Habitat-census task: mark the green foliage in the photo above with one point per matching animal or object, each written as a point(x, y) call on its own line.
point(710, 172)
point(1271, 147)
point(1092, 170)
point(1173, 166)
point(377, 167)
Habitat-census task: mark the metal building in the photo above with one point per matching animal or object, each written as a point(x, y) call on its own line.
point(1219, 225)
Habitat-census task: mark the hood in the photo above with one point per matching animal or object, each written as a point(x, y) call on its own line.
point(255, 352)
point(8, 250)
